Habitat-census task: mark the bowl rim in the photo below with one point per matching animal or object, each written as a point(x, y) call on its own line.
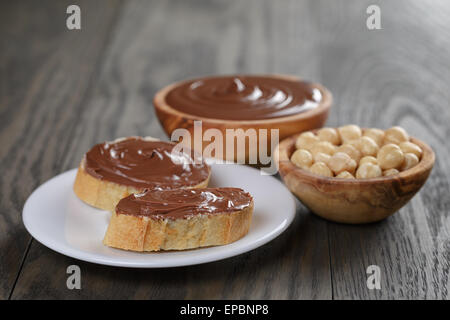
point(160, 104)
point(282, 159)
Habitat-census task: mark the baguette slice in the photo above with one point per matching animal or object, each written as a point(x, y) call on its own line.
point(180, 219)
point(105, 182)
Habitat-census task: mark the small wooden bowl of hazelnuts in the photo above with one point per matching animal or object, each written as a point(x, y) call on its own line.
point(354, 175)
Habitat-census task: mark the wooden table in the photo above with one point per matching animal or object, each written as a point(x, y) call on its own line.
point(62, 91)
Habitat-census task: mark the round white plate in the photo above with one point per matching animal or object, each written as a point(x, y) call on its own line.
point(59, 220)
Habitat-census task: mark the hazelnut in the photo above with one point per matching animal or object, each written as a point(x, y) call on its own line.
point(341, 161)
point(324, 147)
point(390, 156)
point(368, 159)
point(409, 147)
point(410, 161)
point(368, 147)
point(395, 135)
point(302, 158)
point(349, 132)
point(354, 153)
point(330, 135)
point(390, 172)
point(322, 157)
point(356, 143)
point(345, 175)
point(377, 135)
point(321, 169)
point(306, 140)
point(368, 170)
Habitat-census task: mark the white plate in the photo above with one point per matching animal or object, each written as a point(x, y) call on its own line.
point(59, 220)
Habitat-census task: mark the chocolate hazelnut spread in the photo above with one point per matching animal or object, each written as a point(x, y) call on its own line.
point(142, 163)
point(244, 97)
point(183, 203)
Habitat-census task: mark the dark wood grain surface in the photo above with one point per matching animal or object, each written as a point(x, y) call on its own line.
point(62, 91)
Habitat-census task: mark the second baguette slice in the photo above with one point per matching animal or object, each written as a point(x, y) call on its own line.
point(180, 219)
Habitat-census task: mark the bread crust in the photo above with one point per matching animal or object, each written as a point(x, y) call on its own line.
point(104, 194)
point(142, 233)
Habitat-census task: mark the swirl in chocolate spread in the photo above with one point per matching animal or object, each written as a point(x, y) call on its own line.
point(243, 97)
point(142, 163)
point(182, 203)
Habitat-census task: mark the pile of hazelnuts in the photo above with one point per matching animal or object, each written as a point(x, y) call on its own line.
point(348, 152)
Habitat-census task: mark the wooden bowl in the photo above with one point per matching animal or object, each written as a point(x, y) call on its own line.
point(172, 119)
point(357, 200)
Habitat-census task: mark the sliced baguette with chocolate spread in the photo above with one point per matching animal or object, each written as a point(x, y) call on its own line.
point(113, 170)
point(180, 219)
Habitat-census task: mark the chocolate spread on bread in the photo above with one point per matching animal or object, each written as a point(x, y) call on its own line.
point(141, 163)
point(182, 203)
point(243, 97)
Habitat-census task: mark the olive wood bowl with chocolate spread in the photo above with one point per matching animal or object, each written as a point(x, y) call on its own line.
point(352, 201)
point(244, 102)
